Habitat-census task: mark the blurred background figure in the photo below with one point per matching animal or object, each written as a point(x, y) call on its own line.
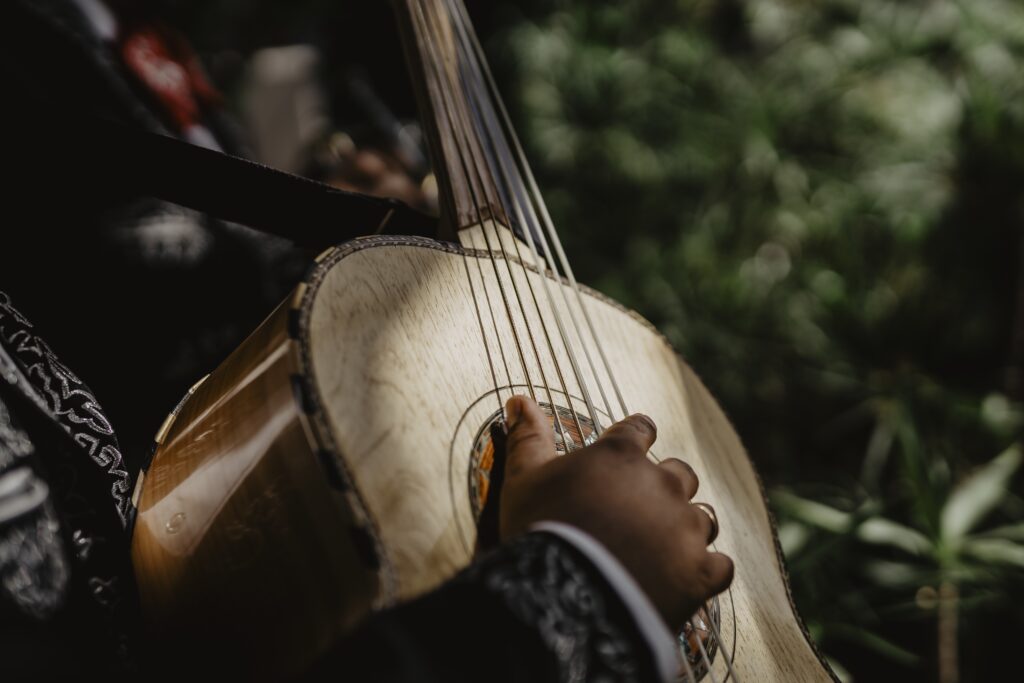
point(284, 105)
point(198, 285)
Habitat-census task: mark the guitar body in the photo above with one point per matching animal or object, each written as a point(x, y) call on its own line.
point(324, 469)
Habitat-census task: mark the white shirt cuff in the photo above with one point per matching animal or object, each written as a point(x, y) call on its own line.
point(664, 646)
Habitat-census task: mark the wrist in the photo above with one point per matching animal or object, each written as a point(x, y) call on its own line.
point(650, 623)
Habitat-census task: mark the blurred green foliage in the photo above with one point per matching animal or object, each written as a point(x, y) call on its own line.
point(820, 204)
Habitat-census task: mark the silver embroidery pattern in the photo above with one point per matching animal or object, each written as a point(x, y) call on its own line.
point(67, 397)
point(14, 443)
point(34, 569)
point(33, 566)
point(549, 590)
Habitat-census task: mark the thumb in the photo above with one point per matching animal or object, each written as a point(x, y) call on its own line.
point(531, 440)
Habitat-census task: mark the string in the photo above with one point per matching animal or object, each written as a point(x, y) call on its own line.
point(476, 166)
point(503, 153)
point(445, 106)
point(489, 144)
point(690, 675)
point(494, 322)
point(419, 15)
point(703, 652)
point(504, 159)
point(721, 644)
point(534, 191)
point(479, 316)
point(464, 29)
point(497, 334)
point(493, 141)
point(567, 440)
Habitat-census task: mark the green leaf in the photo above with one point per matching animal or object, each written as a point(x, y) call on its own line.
point(872, 641)
point(840, 671)
point(996, 551)
point(978, 495)
point(1013, 532)
point(895, 574)
point(793, 536)
point(882, 531)
point(812, 512)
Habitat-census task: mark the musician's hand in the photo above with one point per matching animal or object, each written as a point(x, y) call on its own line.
point(639, 511)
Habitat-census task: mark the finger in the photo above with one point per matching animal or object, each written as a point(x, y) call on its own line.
point(634, 433)
point(708, 521)
point(531, 440)
point(698, 525)
point(717, 571)
point(684, 473)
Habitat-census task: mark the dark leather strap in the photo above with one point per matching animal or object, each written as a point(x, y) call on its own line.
point(310, 213)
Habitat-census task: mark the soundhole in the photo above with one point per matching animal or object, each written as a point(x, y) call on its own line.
point(698, 634)
point(567, 437)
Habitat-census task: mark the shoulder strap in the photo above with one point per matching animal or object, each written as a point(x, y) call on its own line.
point(311, 214)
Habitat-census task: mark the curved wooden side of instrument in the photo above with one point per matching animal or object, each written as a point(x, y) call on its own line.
point(243, 552)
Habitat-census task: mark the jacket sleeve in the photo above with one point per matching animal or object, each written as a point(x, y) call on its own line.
point(535, 609)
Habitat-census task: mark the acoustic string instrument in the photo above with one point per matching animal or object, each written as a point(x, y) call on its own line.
point(340, 460)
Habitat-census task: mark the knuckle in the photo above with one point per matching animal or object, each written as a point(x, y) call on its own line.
point(718, 571)
point(696, 521)
point(673, 484)
point(728, 572)
point(684, 473)
point(619, 441)
point(690, 472)
point(643, 424)
point(523, 438)
point(632, 433)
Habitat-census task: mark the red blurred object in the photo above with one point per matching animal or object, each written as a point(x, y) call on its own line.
point(165, 63)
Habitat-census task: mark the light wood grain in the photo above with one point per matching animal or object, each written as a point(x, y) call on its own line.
point(396, 326)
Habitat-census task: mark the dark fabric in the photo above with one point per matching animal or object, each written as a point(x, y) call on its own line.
point(138, 292)
point(534, 609)
point(141, 296)
point(70, 402)
point(67, 600)
point(311, 214)
point(33, 558)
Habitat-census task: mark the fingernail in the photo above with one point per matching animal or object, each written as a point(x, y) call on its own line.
point(513, 409)
point(650, 423)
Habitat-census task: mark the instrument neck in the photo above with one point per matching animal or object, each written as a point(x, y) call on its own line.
point(458, 115)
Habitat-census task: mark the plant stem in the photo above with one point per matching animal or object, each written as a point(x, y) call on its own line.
point(949, 666)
